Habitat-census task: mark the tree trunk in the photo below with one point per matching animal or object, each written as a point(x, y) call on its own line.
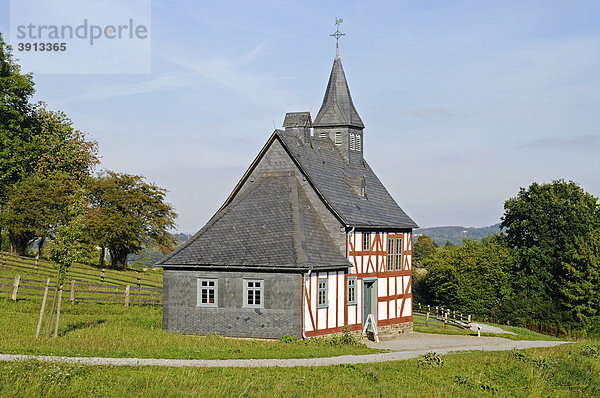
point(102, 256)
point(40, 244)
point(18, 243)
point(118, 258)
point(51, 315)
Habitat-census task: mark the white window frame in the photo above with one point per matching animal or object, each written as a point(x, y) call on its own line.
point(214, 287)
point(366, 241)
point(352, 141)
point(323, 134)
point(352, 281)
point(325, 290)
point(338, 138)
point(260, 289)
point(399, 252)
point(390, 254)
point(358, 142)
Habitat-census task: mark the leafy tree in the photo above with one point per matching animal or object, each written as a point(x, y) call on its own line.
point(472, 278)
point(33, 140)
point(554, 230)
point(35, 207)
point(423, 249)
point(16, 122)
point(61, 148)
point(127, 212)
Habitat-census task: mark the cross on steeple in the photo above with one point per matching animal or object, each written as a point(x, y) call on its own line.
point(337, 35)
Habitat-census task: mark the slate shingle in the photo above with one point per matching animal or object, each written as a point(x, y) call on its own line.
point(271, 224)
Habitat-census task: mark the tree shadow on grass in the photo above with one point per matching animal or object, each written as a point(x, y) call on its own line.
point(81, 325)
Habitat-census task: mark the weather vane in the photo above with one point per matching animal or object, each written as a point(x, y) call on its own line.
point(337, 33)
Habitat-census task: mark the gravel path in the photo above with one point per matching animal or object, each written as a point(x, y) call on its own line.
point(403, 347)
point(489, 328)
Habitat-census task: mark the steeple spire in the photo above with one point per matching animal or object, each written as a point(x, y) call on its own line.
point(337, 108)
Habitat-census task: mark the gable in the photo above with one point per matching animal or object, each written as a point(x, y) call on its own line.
point(270, 224)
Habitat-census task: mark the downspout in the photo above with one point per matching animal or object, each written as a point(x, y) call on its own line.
point(303, 295)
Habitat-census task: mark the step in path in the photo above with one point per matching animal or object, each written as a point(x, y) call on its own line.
point(408, 346)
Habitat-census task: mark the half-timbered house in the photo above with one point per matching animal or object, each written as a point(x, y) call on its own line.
point(308, 242)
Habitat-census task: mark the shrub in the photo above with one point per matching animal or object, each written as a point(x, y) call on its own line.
point(431, 359)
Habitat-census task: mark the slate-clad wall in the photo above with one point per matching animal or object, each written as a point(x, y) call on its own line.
point(282, 302)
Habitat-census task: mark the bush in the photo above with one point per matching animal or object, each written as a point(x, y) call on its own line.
point(432, 360)
point(286, 338)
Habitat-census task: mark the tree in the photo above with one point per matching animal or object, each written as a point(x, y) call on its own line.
point(423, 249)
point(36, 206)
point(473, 278)
point(16, 122)
point(67, 247)
point(33, 140)
point(127, 212)
point(554, 231)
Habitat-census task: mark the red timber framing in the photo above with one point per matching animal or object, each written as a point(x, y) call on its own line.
point(392, 284)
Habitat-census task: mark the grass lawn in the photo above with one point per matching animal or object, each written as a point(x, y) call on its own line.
point(563, 371)
point(113, 330)
point(437, 327)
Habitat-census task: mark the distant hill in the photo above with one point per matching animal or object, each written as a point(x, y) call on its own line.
point(455, 235)
point(150, 256)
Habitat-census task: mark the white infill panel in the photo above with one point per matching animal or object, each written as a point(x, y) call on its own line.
point(406, 281)
point(392, 286)
point(308, 326)
point(407, 307)
point(341, 298)
point(399, 285)
point(332, 299)
point(382, 287)
point(352, 315)
point(382, 310)
point(313, 297)
point(359, 294)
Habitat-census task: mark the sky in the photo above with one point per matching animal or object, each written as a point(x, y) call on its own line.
point(464, 102)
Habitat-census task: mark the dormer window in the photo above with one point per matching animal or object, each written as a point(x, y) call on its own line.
point(363, 188)
point(338, 138)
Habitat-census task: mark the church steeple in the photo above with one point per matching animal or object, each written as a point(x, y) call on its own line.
point(337, 108)
point(338, 119)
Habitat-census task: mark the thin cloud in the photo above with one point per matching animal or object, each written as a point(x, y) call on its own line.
point(432, 112)
point(162, 83)
point(579, 142)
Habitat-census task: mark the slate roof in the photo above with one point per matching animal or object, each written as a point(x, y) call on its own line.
point(339, 182)
point(297, 119)
point(337, 108)
point(270, 225)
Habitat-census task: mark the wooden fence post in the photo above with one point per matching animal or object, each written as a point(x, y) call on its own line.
point(427, 319)
point(127, 290)
point(139, 281)
point(469, 318)
point(16, 287)
point(102, 276)
point(73, 291)
point(37, 333)
point(58, 310)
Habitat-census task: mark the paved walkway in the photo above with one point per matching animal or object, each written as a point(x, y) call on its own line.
point(404, 347)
